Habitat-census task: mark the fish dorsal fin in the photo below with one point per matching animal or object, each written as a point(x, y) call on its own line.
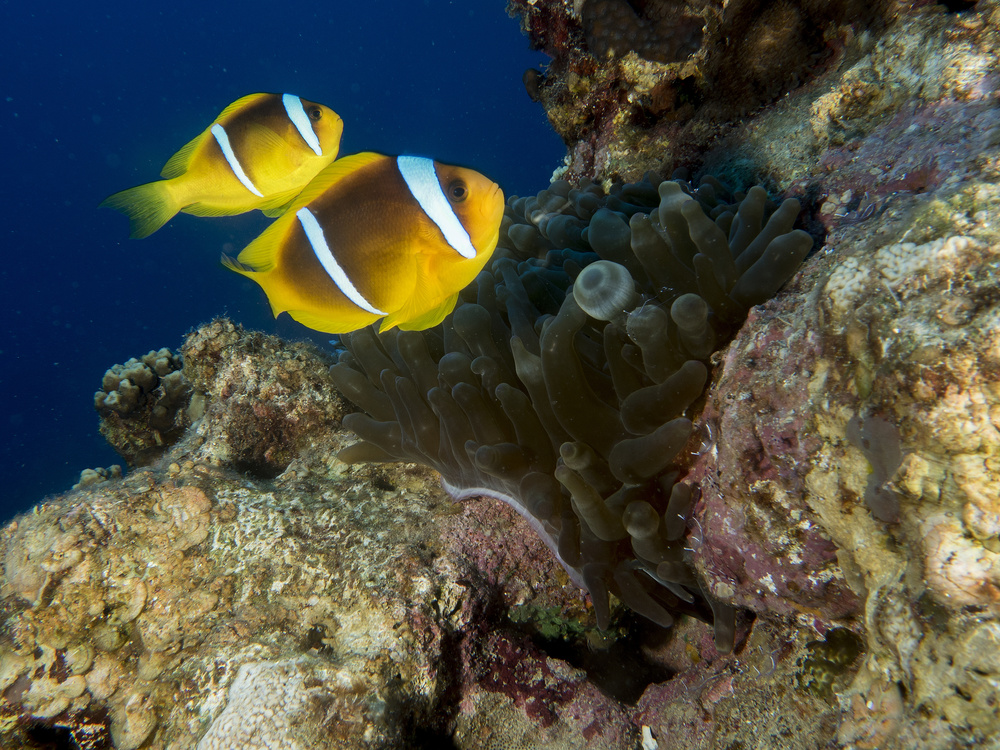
point(262, 253)
point(178, 163)
point(333, 174)
point(238, 105)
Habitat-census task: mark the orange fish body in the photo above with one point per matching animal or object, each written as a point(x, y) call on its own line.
point(374, 237)
point(258, 154)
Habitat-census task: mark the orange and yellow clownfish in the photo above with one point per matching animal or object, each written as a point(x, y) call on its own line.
point(374, 237)
point(258, 153)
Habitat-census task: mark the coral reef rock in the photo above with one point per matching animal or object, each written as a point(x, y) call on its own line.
point(840, 66)
point(198, 604)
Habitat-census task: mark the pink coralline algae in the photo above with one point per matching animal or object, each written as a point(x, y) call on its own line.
point(756, 540)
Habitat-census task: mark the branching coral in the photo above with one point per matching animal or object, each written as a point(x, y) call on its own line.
point(563, 383)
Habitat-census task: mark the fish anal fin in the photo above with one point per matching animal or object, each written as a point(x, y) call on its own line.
point(333, 322)
point(233, 264)
point(277, 204)
point(276, 211)
point(203, 209)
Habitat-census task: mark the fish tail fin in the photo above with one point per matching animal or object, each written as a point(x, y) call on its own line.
point(148, 207)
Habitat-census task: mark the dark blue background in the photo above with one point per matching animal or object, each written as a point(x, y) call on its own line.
point(96, 97)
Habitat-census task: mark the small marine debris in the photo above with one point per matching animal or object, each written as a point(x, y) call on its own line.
point(879, 441)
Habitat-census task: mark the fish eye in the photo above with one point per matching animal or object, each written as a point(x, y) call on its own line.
point(315, 113)
point(457, 191)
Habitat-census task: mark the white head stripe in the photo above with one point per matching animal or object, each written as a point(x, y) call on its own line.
point(299, 118)
point(314, 233)
point(234, 164)
point(421, 178)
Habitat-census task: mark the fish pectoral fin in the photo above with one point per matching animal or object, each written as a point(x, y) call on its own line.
point(271, 158)
point(278, 204)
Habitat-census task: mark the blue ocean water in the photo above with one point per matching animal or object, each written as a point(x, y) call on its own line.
point(96, 97)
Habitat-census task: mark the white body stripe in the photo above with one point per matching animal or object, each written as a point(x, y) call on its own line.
point(421, 178)
point(234, 164)
point(314, 233)
point(301, 121)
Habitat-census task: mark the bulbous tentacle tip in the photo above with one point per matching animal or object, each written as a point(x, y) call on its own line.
point(605, 290)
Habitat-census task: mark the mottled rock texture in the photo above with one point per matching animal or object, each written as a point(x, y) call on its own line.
point(773, 83)
point(190, 605)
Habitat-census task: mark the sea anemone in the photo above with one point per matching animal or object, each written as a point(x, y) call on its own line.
point(566, 379)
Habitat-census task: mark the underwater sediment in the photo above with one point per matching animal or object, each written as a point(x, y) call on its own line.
point(245, 587)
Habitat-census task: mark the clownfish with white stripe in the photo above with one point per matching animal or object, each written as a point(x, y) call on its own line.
point(258, 153)
point(374, 237)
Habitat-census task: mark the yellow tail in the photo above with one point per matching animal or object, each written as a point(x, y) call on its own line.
point(148, 207)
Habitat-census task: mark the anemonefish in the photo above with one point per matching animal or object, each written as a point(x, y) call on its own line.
point(374, 237)
point(258, 153)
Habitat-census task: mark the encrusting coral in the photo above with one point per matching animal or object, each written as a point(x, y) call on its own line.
point(261, 421)
point(563, 380)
